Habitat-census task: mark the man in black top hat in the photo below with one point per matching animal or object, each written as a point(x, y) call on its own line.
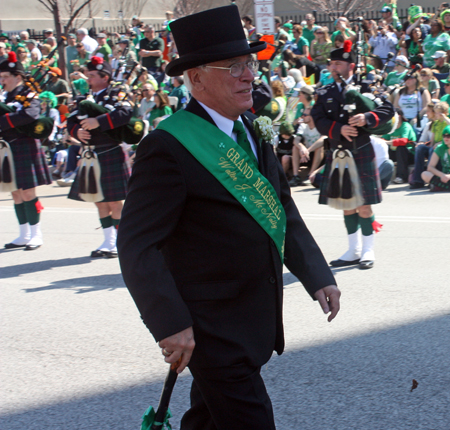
point(204, 268)
point(332, 119)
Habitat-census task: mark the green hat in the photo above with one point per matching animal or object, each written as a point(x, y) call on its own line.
point(4, 35)
point(288, 25)
point(286, 128)
point(48, 95)
point(443, 13)
point(446, 81)
point(446, 130)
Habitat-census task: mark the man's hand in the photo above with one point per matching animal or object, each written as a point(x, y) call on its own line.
point(181, 344)
point(328, 298)
point(358, 120)
point(348, 132)
point(90, 123)
point(83, 135)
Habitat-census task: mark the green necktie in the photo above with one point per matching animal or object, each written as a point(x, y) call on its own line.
point(242, 140)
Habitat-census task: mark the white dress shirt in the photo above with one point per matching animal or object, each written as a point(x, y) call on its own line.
point(226, 125)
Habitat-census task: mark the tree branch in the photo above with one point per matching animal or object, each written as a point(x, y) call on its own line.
point(47, 6)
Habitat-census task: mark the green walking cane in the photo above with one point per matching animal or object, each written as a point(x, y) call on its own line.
point(159, 420)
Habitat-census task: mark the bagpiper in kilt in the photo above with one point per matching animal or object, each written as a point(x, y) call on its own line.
point(103, 153)
point(26, 167)
point(350, 160)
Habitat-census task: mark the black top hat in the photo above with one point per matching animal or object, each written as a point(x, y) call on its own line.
point(100, 65)
point(12, 65)
point(209, 36)
point(343, 54)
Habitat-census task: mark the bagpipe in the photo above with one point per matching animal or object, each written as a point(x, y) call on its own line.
point(42, 127)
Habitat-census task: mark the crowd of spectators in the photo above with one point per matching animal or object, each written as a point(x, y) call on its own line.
point(407, 60)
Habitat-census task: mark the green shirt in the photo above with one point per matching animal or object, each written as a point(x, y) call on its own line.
point(405, 130)
point(321, 50)
point(348, 33)
point(301, 109)
point(444, 69)
point(437, 128)
point(394, 78)
point(442, 152)
point(309, 34)
point(151, 45)
point(71, 54)
point(105, 51)
point(158, 112)
point(81, 86)
point(432, 44)
point(301, 43)
point(181, 93)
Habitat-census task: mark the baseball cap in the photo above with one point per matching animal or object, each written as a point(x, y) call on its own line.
point(4, 36)
point(386, 9)
point(438, 54)
point(101, 35)
point(403, 59)
point(48, 30)
point(307, 89)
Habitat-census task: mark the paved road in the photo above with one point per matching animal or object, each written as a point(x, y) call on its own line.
point(75, 354)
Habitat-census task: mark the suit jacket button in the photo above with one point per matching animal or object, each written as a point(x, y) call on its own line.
point(272, 280)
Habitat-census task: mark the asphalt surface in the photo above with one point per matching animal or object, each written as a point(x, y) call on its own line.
point(75, 355)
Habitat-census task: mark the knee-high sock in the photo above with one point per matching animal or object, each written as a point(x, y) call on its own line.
point(351, 223)
point(115, 223)
point(368, 238)
point(354, 238)
point(33, 210)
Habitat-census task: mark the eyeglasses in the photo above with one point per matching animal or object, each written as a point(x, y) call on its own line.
point(236, 70)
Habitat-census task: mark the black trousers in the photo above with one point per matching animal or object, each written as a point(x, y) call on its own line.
point(232, 398)
point(403, 158)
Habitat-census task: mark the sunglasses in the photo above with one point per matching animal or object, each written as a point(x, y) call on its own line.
point(320, 32)
point(446, 135)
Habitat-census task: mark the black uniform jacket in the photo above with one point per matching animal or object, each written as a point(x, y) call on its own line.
point(121, 115)
point(191, 254)
point(329, 116)
point(22, 116)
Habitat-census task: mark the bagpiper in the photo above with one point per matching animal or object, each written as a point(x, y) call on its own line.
point(103, 172)
point(22, 159)
point(351, 180)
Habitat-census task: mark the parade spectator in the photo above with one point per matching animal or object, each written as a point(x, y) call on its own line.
point(251, 29)
point(35, 53)
point(441, 120)
point(151, 49)
point(180, 92)
point(306, 101)
point(397, 76)
point(103, 50)
point(281, 75)
point(22, 56)
point(3, 54)
point(429, 82)
point(45, 50)
point(58, 86)
point(383, 42)
point(445, 18)
point(338, 41)
point(437, 40)
point(146, 78)
point(423, 150)
point(390, 17)
point(284, 143)
point(71, 51)
point(79, 81)
point(24, 36)
point(440, 62)
point(439, 180)
point(169, 17)
point(279, 30)
point(412, 98)
point(343, 28)
point(83, 55)
point(16, 43)
point(147, 102)
point(302, 44)
point(310, 28)
point(399, 141)
point(446, 97)
point(412, 47)
point(90, 45)
point(384, 164)
point(162, 106)
point(299, 82)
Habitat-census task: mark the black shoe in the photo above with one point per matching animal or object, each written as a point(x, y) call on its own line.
point(13, 246)
point(416, 185)
point(343, 263)
point(98, 254)
point(295, 182)
point(110, 254)
point(367, 264)
point(31, 247)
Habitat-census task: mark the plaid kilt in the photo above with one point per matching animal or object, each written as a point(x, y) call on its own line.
point(436, 181)
point(368, 175)
point(114, 175)
point(30, 163)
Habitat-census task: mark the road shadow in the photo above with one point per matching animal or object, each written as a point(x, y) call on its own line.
point(362, 382)
point(39, 266)
point(86, 284)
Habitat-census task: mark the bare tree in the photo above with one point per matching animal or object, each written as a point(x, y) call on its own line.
point(75, 7)
point(338, 7)
point(128, 8)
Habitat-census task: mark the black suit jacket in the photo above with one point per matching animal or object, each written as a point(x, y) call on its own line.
point(329, 116)
point(191, 255)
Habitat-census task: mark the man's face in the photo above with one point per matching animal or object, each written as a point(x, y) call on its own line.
point(148, 91)
point(101, 40)
point(9, 81)
point(80, 36)
point(307, 116)
point(95, 81)
point(342, 68)
point(149, 34)
point(222, 92)
point(386, 15)
point(3, 39)
point(310, 19)
point(30, 46)
point(439, 61)
point(71, 41)
point(2, 51)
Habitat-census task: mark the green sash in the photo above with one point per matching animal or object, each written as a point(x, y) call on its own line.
point(232, 167)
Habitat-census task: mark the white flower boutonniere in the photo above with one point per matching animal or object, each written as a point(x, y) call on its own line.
point(263, 128)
